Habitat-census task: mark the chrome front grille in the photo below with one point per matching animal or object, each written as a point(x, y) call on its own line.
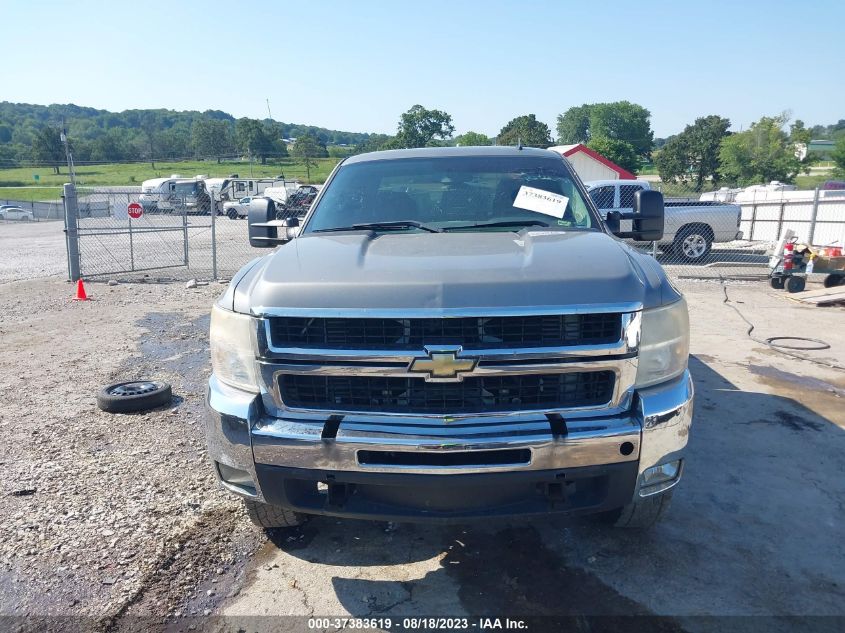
point(479, 368)
point(471, 395)
point(472, 333)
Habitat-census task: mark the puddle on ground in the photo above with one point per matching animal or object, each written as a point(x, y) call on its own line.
point(820, 396)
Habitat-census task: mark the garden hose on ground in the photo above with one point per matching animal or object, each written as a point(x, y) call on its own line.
point(777, 342)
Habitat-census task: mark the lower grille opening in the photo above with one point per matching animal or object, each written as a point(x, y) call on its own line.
point(472, 395)
point(450, 458)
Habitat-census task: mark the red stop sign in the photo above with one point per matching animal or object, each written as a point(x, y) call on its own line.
point(135, 210)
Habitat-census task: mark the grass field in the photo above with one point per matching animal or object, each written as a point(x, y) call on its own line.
point(20, 183)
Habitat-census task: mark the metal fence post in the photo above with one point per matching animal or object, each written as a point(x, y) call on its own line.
point(131, 243)
point(72, 231)
point(185, 236)
point(813, 216)
point(213, 212)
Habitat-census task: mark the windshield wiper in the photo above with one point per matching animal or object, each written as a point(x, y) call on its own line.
point(382, 226)
point(504, 224)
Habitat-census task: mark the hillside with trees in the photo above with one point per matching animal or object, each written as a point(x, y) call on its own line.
point(30, 133)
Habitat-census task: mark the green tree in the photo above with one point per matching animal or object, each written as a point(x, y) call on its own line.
point(472, 139)
point(110, 147)
point(306, 150)
point(573, 126)
point(252, 138)
point(620, 152)
point(375, 143)
point(694, 153)
point(623, 121)
point(419, 126)
point(762, 153)
point(211, 137)
point(838, 154)
point(150, 125)
point(620, 120)
point(47, 148)
point(527, 130)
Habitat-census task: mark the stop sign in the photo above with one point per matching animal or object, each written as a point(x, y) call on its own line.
point(135, 210)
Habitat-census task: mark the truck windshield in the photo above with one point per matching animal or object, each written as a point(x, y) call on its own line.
point(472, 193)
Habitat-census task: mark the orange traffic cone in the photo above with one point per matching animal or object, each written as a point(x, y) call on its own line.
point(80, 292)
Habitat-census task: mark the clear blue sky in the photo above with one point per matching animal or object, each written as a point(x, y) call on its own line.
point(357, 65)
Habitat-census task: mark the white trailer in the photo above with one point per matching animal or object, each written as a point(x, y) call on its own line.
point(166, 195)
point(235, 188)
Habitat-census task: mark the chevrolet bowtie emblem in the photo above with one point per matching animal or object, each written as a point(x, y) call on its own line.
point(443, 365)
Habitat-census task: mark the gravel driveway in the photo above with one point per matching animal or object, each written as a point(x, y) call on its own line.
point(117, 517)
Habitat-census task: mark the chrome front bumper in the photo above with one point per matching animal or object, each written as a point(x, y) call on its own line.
point(241, 435)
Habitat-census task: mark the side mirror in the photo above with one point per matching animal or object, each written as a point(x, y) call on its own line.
point(613, 221)
point(265, 231)
point(648, 216)
point(262, 211)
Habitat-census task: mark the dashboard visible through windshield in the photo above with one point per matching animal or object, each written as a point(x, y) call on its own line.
point(452, 194)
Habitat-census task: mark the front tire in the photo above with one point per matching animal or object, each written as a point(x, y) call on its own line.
point(693, 243)
point(269, 516)
point(233, 215)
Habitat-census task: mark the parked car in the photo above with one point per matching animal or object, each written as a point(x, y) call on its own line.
point(299, 202)
point(237, 209)
point(691, 226)
point(450, 334)
point(10, 212)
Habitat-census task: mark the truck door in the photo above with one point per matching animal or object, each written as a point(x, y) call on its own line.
point(626, 197)
point(604, 198)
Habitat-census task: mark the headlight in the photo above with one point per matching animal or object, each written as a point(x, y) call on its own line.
point(664, 345)
point(232, 352)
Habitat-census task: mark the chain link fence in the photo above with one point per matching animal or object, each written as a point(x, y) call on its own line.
point(728, 233)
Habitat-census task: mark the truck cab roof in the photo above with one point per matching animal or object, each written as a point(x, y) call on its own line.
point(440, 152)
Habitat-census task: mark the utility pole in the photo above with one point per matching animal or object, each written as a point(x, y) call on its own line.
point(269, 115)
point(68, 154)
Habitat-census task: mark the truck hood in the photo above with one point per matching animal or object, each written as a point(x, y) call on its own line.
point(445, 272)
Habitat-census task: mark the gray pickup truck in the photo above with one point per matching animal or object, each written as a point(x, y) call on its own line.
point(449, 334)
point(691, 226)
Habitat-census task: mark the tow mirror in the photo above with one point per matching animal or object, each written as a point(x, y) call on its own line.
point(648, 216)
point(265, 231)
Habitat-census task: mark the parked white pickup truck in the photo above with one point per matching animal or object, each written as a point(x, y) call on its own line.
point(691, 227)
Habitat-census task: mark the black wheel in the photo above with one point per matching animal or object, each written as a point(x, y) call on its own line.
point(268, 516)
point(137, 395)
point(233, 215)
point(693, 243)
point(795, 284)
point(776, 283)
point(831, 281)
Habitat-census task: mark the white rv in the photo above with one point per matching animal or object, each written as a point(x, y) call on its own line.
point(166, 195)
point(234, 188)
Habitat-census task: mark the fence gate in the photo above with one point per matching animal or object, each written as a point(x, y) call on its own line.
point(120, 230)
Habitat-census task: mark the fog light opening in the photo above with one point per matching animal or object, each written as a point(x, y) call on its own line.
point(236, 478)
point(659, 478)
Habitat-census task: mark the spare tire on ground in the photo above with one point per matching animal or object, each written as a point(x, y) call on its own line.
point(135, 395)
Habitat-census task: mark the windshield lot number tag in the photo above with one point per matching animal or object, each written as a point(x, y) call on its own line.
point(541, 201)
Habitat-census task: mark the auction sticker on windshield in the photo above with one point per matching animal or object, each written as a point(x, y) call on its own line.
point(541, 201)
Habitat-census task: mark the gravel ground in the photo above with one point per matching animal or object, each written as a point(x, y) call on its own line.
point(32, 249)
point(118, 518)
point(107, 513)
